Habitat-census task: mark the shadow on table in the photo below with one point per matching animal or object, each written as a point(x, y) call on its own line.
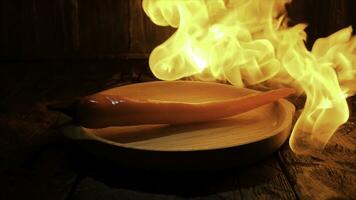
point(102, 176)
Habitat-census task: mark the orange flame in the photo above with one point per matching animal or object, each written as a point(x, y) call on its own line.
point(248, 43)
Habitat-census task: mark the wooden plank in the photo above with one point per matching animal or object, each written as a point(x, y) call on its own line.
point(37, 28)
point(24, 128)
point(49, 32)
point(323, 18)
point(56, 29)
point(105, 180)
point(330, 175)
point(29, 170)
point(263, 180)
point(266, 181)
point(28, 39)
point(144, 35)
point(29, 87)
point(103, 27)
point(90, 189)
point(35, 159)
point(48, 176)
point(10, 30)
point(63, 28)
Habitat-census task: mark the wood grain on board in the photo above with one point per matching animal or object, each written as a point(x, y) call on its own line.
point(54, 51)
point(92, 29)
point(35, 159)
point(144, 35)
point(72, 29)
point(264, 180)
point(329, 175)
point(35, 154)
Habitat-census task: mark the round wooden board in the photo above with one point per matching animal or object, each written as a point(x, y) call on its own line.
point(222, 143)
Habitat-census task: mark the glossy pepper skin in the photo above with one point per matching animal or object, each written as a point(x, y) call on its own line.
point(103, 110)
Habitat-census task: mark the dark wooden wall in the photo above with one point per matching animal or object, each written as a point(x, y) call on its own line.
point(323, 17)
point(100, 29)
point(61, 29)
point(54, 50)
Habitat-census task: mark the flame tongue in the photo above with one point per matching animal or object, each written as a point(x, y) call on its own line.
point(247, 43)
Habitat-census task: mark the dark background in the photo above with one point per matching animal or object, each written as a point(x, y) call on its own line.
point(116, 29)
point(52, 51)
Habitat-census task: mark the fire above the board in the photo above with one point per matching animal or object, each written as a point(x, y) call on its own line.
point(247, 43)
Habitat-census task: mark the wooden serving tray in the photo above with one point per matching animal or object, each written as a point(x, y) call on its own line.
point(222, 143)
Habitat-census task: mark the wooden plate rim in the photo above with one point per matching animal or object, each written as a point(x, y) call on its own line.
point(76, 132)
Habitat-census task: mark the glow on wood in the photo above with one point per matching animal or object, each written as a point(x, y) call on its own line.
point(252, 126)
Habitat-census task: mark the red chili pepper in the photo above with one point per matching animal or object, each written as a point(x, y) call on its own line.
point(103, 110)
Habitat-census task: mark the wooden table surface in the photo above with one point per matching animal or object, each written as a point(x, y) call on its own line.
point(36, 162)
